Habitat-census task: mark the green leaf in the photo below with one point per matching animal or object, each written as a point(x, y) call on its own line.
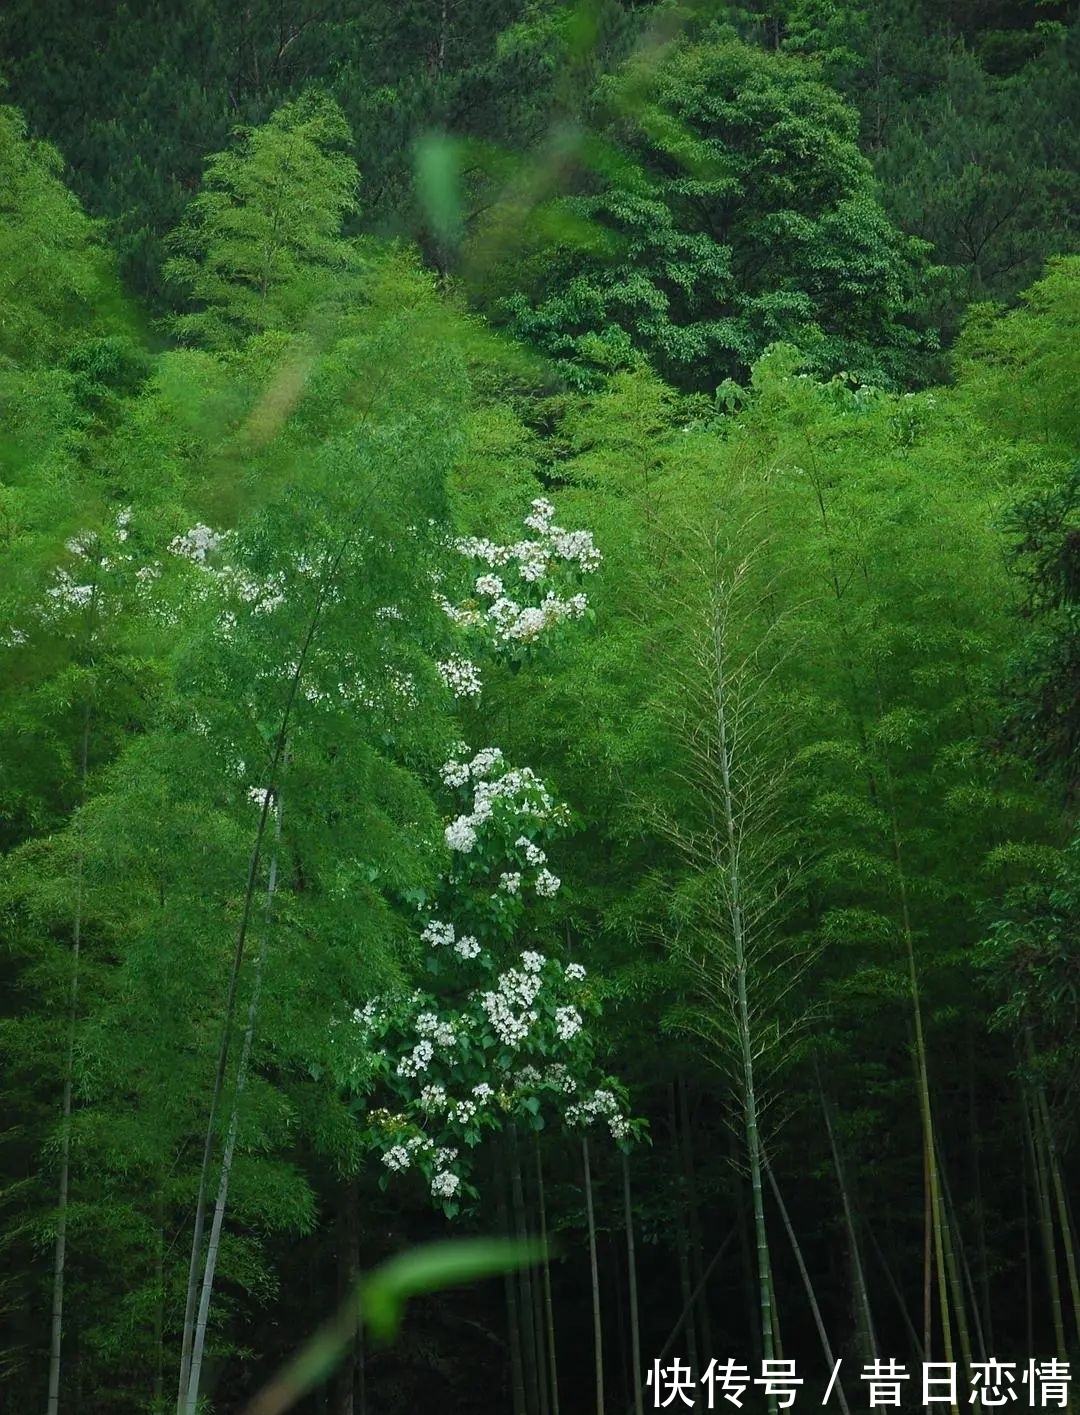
point(433, 1267)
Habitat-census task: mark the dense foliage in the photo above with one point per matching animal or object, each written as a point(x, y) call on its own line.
point(539, 649)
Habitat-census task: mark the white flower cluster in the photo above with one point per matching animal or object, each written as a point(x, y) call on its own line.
point(555, 543)
point(520, 790)
point(444, 936)
point(418, 1060)
point(532, 962)
point(575, 972)
point(558, 1077)
point(264, 596)
point(460, 676)
point(397, 1158)
point(82, 544)
point(69, 595)
point(547, 884)
point(510, 1009)
point(441, 1033)
point(567, 1022)
point(460, 835)
point(510, 883)
point(370, 1015)
point(533, 854)
point(455, 773)
point(523, 624)
point(438, 935)
point(445, 1184)
point(195, 545)
point(600, 1105)
point(515, 622)
point(483, 1092)
point(433, 1097)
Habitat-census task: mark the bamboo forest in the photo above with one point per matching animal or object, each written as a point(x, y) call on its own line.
point(539, 706)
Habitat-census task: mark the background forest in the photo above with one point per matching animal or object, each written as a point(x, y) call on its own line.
point(540, 697)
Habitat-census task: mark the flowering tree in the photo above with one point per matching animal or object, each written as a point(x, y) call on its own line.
point(500, 1035)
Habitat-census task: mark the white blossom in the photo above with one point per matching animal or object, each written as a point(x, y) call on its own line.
point(547, 884)
point(438, 935)
point(509, 1008)
point(532, 962)
point(539, 518)
point(445, 1184)
point(397, 1158)
point(68, 594)
point(510, 882)
point(575, 972)
point(484, 762)
point(368, 1015)
point(454, 774)
point(418, 1060)
point(533, 854)
point(195, 545)
point(489, 585)
point(461, 677)
point(601, 1103)
point(558, 1077)
point(460, 835)
point(467, 947)
point(567, 1022)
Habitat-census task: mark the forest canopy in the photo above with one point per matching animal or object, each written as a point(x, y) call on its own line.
point(539, 660)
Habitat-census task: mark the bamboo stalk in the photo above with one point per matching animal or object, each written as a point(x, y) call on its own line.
point(861, 1292)
point(1064, 1219)
point(213, 1248)
point(811, 1296)
point(277, 757)
point(1046, 1226)
point(549, 1310)
point(56, 1335)
point(513, 1318)
point(530, 1372)
point(594, 1273)
point(631, 1269)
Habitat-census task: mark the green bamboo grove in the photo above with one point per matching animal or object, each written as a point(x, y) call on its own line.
point(539, 664)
